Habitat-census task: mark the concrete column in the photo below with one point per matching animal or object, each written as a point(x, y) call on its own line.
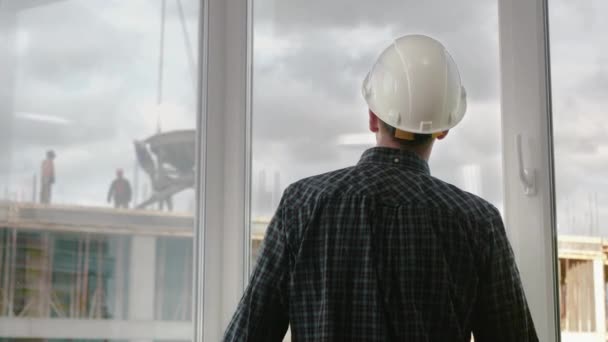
point(600, 297)
point(142, 279)
point(119, 287)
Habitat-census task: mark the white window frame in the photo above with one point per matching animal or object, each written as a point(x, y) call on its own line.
point(526, 112)
point(224, 151)
point(222, 238)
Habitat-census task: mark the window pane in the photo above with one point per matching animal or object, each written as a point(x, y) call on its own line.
point(579, 72)
point(97, 156)
point(308, 113)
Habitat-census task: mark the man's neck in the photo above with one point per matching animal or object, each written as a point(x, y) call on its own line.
point(423, 152)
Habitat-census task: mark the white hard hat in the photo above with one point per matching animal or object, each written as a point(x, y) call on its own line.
point(415, 87)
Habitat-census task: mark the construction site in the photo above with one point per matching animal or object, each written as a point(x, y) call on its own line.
point(81, 273)
point(94, 274)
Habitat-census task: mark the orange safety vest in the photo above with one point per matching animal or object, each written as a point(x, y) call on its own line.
point(48, 171)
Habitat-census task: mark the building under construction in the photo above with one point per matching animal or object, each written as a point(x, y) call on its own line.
point(80, 273)
point(89, 273)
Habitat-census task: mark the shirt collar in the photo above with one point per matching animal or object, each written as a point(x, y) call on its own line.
point(396, 157)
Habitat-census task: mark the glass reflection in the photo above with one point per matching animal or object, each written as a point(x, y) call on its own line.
point(97, 164)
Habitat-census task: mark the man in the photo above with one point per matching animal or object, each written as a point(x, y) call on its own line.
point(120, 191)
point(162, 183)
point(383, 251)
point(47, 177)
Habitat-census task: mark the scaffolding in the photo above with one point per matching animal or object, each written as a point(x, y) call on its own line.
point(79, 264)
point(48, 269)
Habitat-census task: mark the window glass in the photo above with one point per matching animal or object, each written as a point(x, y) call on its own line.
point(309, 117)
point(579, 72)
point(97, 157)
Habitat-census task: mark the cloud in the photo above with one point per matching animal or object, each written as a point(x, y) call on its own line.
point(579, 83)
point(93, 66)
point(309, 83)
point(325, 35)
point(326, 49)
point(293, 15)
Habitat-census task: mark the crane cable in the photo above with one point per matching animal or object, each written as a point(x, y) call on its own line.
point(161, 55)
point(188, 44)
point(161, 63)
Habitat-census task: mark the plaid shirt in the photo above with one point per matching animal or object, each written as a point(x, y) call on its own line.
point(383, 251)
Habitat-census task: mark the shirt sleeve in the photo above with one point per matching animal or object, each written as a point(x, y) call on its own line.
point(262, 314)
point(501, 311)
point(111, 191)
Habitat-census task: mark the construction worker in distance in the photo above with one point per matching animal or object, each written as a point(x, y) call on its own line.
point(47, 177)
point(383, 251)
point(120, 191)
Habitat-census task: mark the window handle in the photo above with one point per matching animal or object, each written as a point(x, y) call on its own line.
point(526, 175)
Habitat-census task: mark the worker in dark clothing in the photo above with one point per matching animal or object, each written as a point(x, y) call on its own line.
point(120, 191)
point(163, 181)
point(383, 251)
point(47, 177)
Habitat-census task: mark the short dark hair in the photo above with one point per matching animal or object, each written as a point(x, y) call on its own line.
point(419, 139)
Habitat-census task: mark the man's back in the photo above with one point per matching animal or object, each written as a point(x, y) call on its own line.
point(48, 171)
point(384, 252)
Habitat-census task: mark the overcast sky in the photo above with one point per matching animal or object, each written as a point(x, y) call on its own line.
point(86, 83)
point(86, 86)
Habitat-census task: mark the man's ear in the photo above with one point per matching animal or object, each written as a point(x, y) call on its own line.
point(374, 124)
point(442, 135)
